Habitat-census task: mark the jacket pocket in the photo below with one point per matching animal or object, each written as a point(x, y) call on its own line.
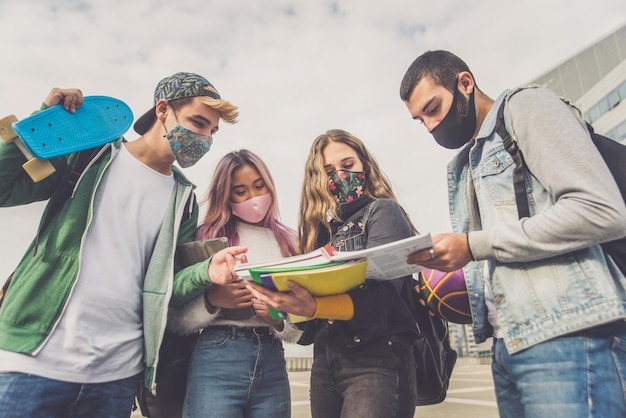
point(493, 183)
point(536, 291)
point(349, 237)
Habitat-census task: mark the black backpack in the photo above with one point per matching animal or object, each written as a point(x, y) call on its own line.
point(613, 153)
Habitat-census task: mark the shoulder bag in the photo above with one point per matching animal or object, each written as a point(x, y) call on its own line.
point(434, 357)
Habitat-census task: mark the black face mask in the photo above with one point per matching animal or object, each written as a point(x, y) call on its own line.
point(455, 129)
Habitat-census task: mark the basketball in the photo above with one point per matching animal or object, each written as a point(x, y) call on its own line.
point(445, 294)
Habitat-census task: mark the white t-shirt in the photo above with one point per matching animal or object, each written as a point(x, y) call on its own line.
point(99, 337)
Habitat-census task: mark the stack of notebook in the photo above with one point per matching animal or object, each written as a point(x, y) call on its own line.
point(324, 279)
point(322, 272)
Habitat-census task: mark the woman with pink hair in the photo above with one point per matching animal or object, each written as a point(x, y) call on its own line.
point(238, 366)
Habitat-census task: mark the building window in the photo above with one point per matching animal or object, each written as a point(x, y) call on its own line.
point(607, 103)
point(619, 132)
point(592, 114)
point(603, 106)
point(621, 91)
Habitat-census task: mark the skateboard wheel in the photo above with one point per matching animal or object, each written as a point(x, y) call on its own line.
point(38, 169)
point(6, 128)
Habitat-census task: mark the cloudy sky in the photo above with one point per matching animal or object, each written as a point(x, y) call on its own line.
point(294, 68)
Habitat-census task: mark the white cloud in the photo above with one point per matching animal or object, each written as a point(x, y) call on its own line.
point(294, 68)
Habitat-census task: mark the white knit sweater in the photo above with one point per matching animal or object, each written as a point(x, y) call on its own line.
point(193, 316)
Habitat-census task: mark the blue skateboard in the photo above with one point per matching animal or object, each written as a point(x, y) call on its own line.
point(55, 131)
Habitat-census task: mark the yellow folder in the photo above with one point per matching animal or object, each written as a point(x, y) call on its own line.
point(325, 281)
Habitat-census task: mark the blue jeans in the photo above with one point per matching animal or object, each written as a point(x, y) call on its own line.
point(24, 395)
point(237, 372)
point(582, 375)
point(375, 380)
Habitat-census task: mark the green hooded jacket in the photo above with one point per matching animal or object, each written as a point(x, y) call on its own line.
point(45, 276)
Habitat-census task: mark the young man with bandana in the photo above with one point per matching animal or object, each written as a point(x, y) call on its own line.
point(540, 285)
point(84, 315)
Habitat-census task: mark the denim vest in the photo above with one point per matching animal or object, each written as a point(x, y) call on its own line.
point(536, 300)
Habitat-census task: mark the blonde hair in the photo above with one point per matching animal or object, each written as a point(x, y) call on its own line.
point(228, 111)
point(316, 202)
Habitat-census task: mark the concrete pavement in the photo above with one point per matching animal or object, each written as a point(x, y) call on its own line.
point(471, 395)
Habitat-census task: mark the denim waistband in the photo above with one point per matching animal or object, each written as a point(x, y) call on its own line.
point(602, 331)
point(234, 330)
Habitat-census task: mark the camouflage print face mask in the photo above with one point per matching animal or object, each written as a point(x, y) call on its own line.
point(188, 147)
point(345, 186)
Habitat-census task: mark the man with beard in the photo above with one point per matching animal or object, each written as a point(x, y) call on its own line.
point(541, 285)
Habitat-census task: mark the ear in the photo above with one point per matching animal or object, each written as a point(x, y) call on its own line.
point(162, 108)
point(466, 82)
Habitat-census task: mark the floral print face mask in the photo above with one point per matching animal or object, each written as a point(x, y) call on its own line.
point(346, 186)
point(188, 146)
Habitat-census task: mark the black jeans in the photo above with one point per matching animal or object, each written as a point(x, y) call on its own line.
point(376, 380)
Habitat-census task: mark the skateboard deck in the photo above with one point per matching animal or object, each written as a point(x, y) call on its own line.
point(55, 131)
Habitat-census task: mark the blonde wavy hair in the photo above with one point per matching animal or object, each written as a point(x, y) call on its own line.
point(228, 111)
point(317, 205)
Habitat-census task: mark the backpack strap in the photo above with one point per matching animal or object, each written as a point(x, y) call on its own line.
point(189, 207)
point(519, 180)
point(64, 191)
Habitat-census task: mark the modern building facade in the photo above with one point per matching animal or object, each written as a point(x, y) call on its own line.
point(595, 81)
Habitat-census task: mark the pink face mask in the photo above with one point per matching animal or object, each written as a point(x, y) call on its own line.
point(252, 210)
